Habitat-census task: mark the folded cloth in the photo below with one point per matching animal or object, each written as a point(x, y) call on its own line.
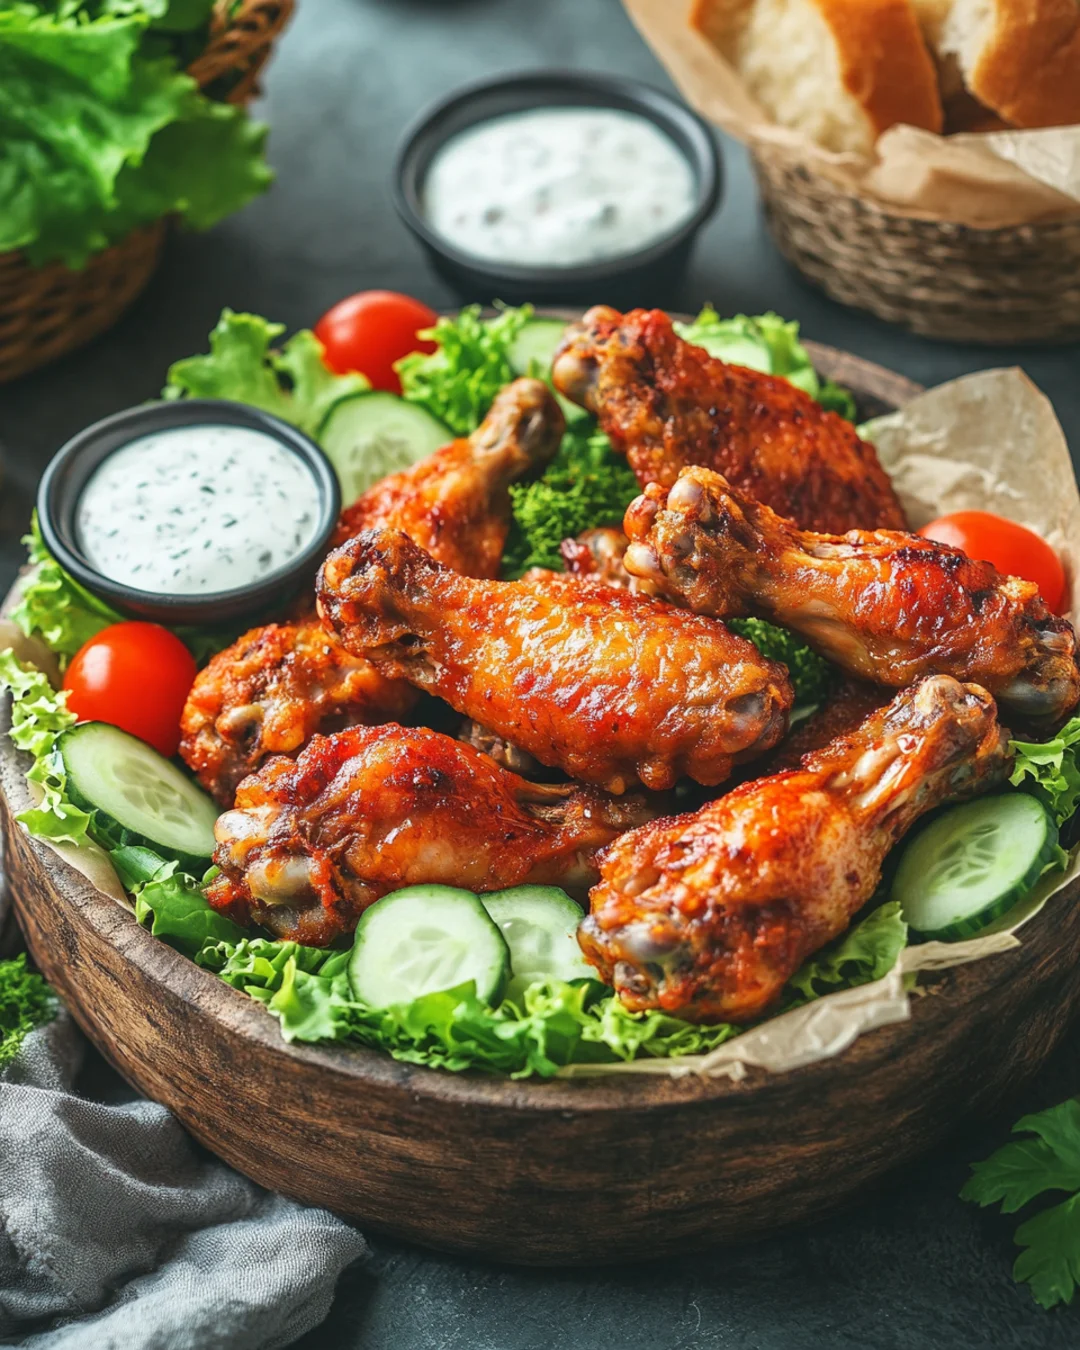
point(117, 1233)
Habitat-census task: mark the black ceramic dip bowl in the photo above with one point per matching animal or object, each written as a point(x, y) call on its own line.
point(643, 276)
point(73, 466)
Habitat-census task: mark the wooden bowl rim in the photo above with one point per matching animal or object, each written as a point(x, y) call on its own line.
point(159, 963)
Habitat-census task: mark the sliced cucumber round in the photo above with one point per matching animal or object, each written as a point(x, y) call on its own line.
point(540, 926)
point(374, 434)
point(973, 863)
point(424, 939)
point(533, 350)
point(136, 796)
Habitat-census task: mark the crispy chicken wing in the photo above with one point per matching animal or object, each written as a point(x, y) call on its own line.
point(276, 686)
point(597, 555)
point(455, 504)
point(709, 915)
point(667, 404)
point(885, 606)
point(312, 842)
point(610, 687)
point(270, 692)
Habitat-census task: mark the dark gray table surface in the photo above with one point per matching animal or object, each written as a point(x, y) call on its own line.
point(912, 1266)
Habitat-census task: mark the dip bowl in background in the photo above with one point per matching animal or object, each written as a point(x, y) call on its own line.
point(643, 275)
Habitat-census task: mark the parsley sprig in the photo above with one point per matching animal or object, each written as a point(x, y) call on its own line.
point(1047, 1160)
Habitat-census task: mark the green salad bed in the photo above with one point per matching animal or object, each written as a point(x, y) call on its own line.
point(551, 1023)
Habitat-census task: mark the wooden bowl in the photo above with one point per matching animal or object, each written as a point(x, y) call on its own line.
point(591, 1171)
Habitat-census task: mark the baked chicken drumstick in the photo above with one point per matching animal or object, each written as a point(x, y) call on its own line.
point(313, 841)
point(708, 915)
point(277, 685)
point(612, 688)
point(885, 606)
point(666, 404)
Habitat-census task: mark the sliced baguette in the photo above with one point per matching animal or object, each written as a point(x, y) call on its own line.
point(840, 71)
point(1021, 58)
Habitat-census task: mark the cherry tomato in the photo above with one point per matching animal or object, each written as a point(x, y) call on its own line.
point(369, 331)
point(1013, 549)
point(135, 676)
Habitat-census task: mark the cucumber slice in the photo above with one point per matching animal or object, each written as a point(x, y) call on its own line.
point(424, 939)
point(375, 433)
point(973, 863)
point(540, 926)
point(532, 352)
point(136, 796)
point(536, 343)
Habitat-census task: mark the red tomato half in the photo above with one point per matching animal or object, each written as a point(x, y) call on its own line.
point(369, 331)
point(1013, 549)
point(135, 676)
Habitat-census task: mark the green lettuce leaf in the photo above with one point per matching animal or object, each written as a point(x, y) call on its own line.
point(242, 364)
point(101, 131)
point(1020, 1172)
point(26, 1002)
point(39, 714)
point(174, 908)
point(865, 953)
point(54, 606)
point(1050, 770)
point(65, 615)
point(768, 343)
point(458, 381)
point(558, 1023)
point(555, 1023)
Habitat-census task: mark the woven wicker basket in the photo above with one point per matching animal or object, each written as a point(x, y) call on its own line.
point(48, 311)
point(1013, 285)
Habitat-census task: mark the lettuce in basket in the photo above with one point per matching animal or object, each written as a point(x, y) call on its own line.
point(101, 131)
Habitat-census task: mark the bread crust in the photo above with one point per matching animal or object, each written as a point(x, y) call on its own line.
point(1028, 71)
point(885, 65)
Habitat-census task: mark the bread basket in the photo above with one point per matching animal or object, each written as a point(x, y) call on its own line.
point(1016, 284)
point(48, 311)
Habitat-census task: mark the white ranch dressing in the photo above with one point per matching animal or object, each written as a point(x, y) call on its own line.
point(558, 187)
point(197, 509)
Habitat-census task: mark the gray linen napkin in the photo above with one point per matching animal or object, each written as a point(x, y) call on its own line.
point(116, 1233)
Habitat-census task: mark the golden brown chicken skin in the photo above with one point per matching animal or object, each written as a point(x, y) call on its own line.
point(885, 606)
point(455, 504)
point(667, 404)
point(597, 555)
point(270, 692)
point(611, 688)
point(312, 842)
point(276, 686)
point(708, 915)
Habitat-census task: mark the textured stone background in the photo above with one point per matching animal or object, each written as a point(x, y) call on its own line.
point(911, 1267)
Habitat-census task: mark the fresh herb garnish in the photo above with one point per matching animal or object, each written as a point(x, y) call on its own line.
point(26, 1002)
point(1047, 1160)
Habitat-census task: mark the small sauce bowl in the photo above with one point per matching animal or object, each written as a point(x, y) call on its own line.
point(72, 466)
point(644, 276)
